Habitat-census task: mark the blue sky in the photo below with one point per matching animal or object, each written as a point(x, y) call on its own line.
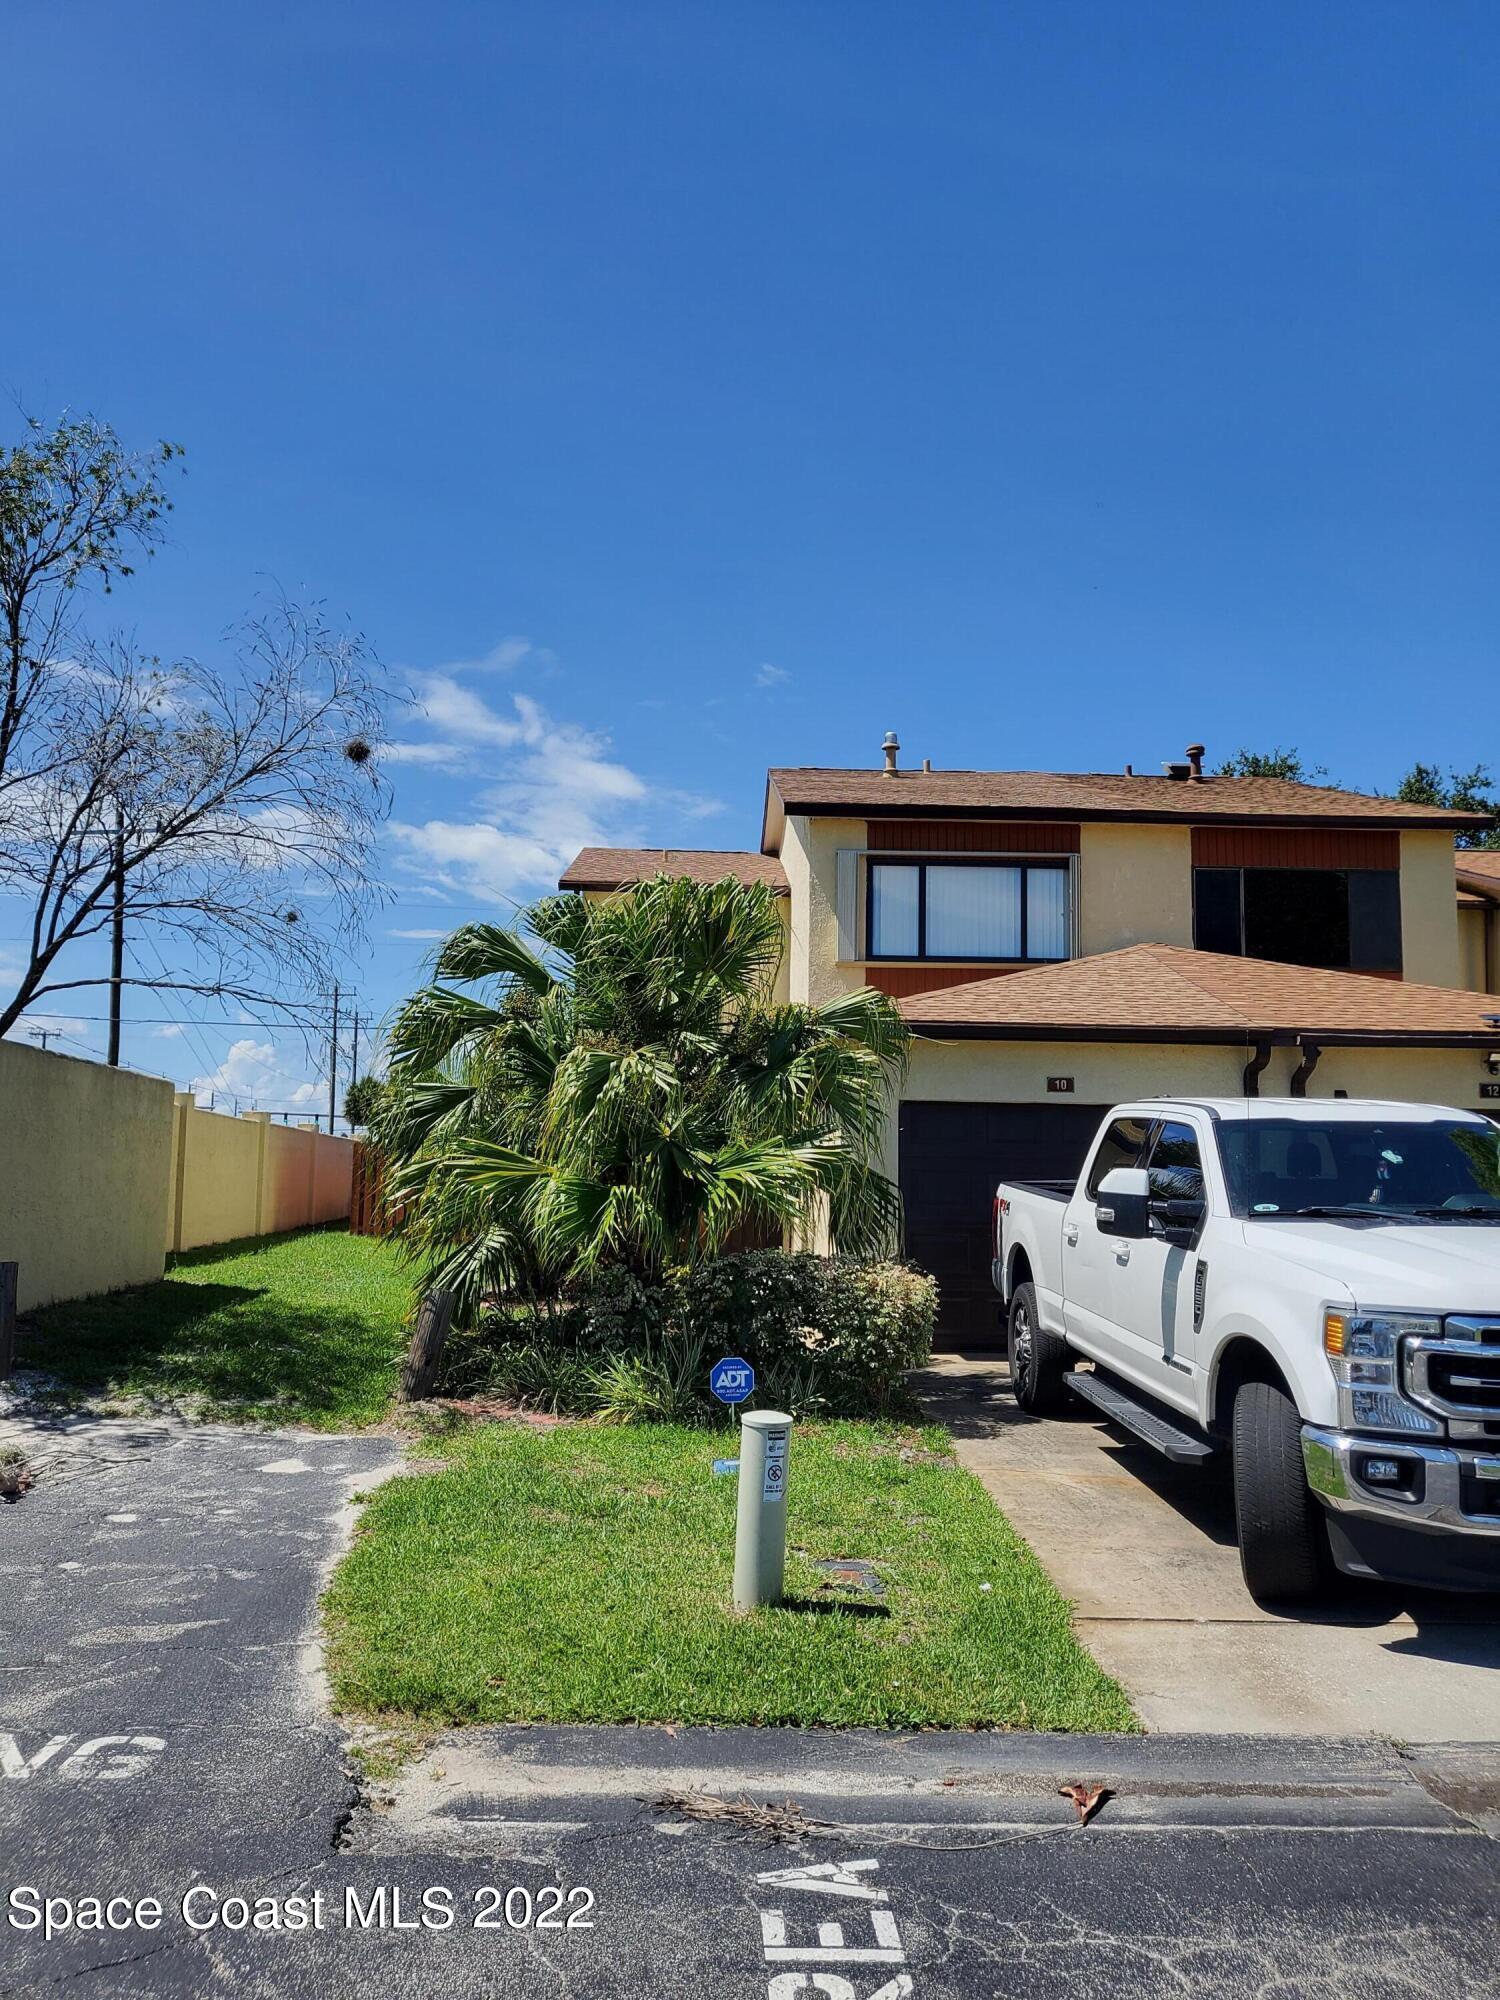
point(671, 391)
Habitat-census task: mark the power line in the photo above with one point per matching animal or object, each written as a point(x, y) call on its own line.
point(170, 1020)
point(203, 1054)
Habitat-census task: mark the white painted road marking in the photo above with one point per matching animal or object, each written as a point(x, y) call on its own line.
point(128, 1757)
point(832, 1878)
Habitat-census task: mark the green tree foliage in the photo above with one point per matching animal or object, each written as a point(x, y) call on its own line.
point(362, 1100)
point(1460, 791)
point(616, 1085)
point(1277, 763)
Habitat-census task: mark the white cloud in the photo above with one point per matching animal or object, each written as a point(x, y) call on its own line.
point(169, 1031)
point(558, 789)
point(501, 659)
point(446, 704)
point(441, 756)
point(420, 936)
point(258, 1073)
point(767, 676)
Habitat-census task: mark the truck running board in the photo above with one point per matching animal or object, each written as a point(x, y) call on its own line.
point(1139, 1419)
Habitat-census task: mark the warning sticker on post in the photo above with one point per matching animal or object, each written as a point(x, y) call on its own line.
point(773, 1485)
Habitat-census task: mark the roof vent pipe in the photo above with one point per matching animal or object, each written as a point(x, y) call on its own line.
point(1195, 762)
point(927, 765)
point(891, 746)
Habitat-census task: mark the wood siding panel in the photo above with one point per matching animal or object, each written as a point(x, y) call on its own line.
point(1293, 847)
point(902, 981)
point(970, 836)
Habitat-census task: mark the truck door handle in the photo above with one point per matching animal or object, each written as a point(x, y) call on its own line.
point(1122, 1255)
point(1070, 1234)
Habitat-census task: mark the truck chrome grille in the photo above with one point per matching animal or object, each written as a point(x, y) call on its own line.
point(1458, 1376)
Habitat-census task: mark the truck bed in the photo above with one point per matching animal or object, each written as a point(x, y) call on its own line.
point(1049, 1190)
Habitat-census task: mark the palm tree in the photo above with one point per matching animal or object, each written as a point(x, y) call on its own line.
point(622, 1088)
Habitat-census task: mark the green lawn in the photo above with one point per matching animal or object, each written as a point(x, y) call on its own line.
point(582, 1574)
point(301, 1329)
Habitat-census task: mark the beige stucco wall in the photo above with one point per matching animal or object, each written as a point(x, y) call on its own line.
point(1473, 972)
point(238, 1177)
point(1135, 886)
point(84, 1173)
point(215, 1177)
point(1429, 912)
point(1107, 1073)
point(809, 854)
point(781, 991)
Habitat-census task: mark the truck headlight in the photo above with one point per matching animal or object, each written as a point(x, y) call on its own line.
point(1363, 1351)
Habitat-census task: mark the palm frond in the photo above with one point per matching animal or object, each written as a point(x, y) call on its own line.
point(485, 951)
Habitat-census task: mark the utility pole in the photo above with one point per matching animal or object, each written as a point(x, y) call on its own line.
point(42, 1035)
point(117, 941)
point(354, 1059)
point(333, 1064)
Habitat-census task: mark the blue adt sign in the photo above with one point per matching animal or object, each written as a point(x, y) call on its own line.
point(731, 1379)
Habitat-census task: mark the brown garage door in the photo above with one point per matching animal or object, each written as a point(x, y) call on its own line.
point(951, 1157)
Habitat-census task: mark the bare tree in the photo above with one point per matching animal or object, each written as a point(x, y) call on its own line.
point(230, 807)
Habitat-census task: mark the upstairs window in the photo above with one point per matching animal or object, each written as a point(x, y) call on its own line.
point(968, 910)
point(1343, 919)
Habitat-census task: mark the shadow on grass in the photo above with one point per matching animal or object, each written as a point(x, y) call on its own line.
point(246, 1246)
point(851, 1607)
point(230, 1345)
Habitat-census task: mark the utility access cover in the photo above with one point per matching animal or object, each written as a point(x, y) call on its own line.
point(852, 1573)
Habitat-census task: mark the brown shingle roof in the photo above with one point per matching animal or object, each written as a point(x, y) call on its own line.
point(1164, 992)
point(619, 867)
point(1479, 872)
point(1091, 795)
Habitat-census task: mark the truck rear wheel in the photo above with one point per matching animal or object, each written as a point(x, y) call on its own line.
point(1283, 1542)
point(1038, 1359)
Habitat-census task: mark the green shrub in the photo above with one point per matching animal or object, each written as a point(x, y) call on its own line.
point(826, 1336)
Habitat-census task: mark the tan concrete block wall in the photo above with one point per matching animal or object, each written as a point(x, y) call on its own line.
point(85, 1168)
point(1429, 911)
point(290, 1151)
point(239, 1177)
point(333, 1178)
point(216, 1184)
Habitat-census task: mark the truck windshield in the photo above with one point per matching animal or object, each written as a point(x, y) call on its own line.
point(1439, 1170)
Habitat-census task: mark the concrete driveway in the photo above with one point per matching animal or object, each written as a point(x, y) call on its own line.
point(1146, 1552)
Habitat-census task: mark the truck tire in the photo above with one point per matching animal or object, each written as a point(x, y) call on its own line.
point(1037, 1358)
point(1283, 1542)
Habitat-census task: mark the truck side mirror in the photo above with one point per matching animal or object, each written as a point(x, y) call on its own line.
point(1122, 1205)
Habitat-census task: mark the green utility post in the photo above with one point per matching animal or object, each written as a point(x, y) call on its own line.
point(760, 1524)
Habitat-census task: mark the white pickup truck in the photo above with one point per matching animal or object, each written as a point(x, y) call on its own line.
point(1313, 1286)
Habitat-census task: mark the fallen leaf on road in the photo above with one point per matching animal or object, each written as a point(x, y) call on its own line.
point(1087, 1799)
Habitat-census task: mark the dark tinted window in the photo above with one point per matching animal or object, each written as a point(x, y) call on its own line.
point(1175, 1166)
point(1276, 1166)
point(1216, 910)
point(1374, 920)
point(1121, 1146)
point(1342, 918)
point(1297, 915)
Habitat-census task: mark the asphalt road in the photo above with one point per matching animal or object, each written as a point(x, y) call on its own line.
point(163, 1732)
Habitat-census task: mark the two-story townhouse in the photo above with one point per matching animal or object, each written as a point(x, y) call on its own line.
point(1059, 941)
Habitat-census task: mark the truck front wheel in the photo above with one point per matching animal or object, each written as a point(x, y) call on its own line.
point(1038, 1359)
point(1283, 1542)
